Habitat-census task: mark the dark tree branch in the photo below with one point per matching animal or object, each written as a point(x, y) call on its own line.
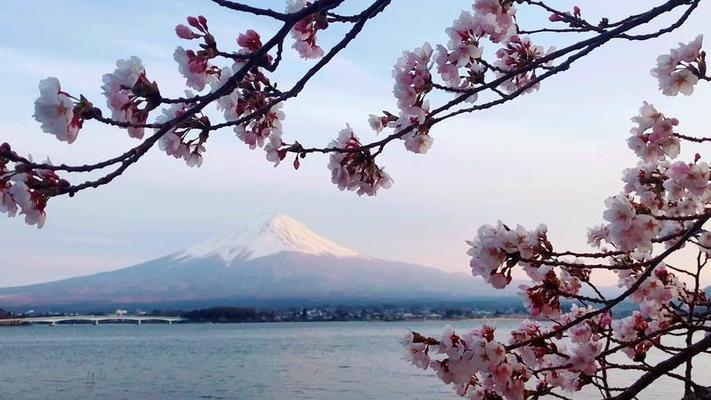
point(663, 368)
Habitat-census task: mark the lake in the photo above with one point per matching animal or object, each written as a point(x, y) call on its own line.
point(315, 360)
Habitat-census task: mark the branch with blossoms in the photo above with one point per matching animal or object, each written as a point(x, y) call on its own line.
point(239, 82)
point(489, 59)
point(663, 208)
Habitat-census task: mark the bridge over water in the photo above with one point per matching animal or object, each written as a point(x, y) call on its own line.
point(94, 319)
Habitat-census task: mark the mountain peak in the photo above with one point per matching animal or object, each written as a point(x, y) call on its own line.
point(264, 236)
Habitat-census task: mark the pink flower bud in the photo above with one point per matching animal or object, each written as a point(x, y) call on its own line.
point(194, 22)
point(576, 12)
point(249, 40)
point(184, 32)
point(555, 18)
point(203, 21)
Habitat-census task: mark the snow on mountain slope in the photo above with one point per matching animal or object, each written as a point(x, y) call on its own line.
point(271, 259)
point(266, 236)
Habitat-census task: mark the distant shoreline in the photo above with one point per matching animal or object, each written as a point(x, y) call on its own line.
point(19, 322)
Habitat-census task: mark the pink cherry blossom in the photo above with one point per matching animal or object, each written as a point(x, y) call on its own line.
point(518, 54)
point(120, 94)
point(250, 41)
point(375, 123)
point(496, 19)
point(416, 351)
point(677, 72)
point(274, 150)
point(175, 143)
point(196, 69)
point(256, 133)
point(304, 31)
point(355, 170)
point(31, 203)
point(54, 109)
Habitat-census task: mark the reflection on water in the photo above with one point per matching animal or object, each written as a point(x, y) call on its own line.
point(344, 360)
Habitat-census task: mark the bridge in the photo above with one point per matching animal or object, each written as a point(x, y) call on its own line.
point(94, 319)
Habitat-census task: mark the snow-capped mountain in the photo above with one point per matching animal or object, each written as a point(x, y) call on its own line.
point(270, 259)
point(263, 237)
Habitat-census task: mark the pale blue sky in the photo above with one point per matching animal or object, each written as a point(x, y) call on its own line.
point(552, 157)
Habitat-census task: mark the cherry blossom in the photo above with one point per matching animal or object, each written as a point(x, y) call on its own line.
point(304, 31)
point(653, 139)
point(8, 205)
point(463, 50)
point(30, 202)
point(261, 130)
point(55, 110)
point(496, 19)
point(197, 71)
point(496, 249)
point(694, 178)
point(518, 53)
point(376, 123)
point(412, 83)
point(274, 151)
point(253, 95)
point(175, 142)
point(412, 77)
point(628, 330)
point(250, 41)
point(487, 60)
point(355, 170)
point(126, 89)
point(654, 190)
point(680, 70)
point(196, 66)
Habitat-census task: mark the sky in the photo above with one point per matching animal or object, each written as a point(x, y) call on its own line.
point(549, 157)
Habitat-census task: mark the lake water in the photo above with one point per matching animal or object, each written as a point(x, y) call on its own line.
point(330, 360)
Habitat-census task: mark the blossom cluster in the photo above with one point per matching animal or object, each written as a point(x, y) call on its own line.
point(412, 83)
point(175, 142)
point(475, 363)
point(304, 31)
point(493, 20)
point(126, 90)
point(497, 249)
point(680, 70)
point(25, 190)
point(57, 111)
point(253, 96)
point(460, 66)
point(196, 66)
point(252, 103)
point(518, 54)
point(661, 198)
point(653, 138)
point(656, 186)
point(353, 168)
point(629, 331)
point(480, 367)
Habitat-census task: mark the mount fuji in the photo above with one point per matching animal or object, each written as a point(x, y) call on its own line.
point(269, 261)
point(263, 237)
